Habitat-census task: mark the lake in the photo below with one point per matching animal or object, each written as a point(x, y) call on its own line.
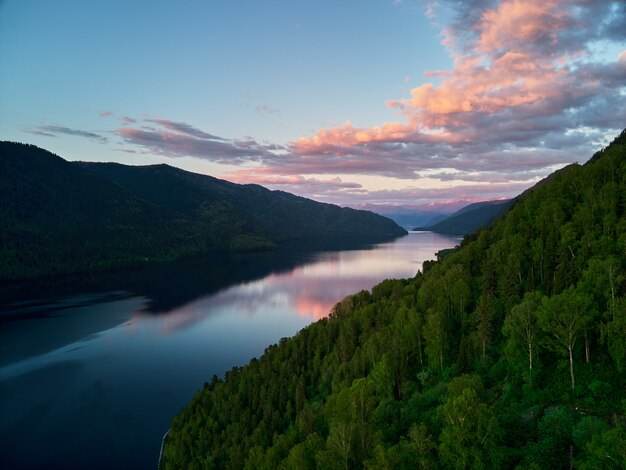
point(92, 373)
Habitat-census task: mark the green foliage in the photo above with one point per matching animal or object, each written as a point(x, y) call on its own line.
point(521, 328)
point(420, 448)
point(554, 444)
point(435, 335)
point(614, 332)
point(586, 429)
point(565, 317)
point(606, 450)
point(470, 434)
point(508, 352)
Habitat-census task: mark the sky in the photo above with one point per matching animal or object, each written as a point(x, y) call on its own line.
point(353, 102)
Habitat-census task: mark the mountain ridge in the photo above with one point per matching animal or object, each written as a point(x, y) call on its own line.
point(64, 217)
point(469, 218)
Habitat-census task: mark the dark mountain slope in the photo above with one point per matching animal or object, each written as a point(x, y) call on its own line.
point(482, 214)
point(470, 218)
point(275, 215)
point(510, 352)
point(59, 217)
point(55, 218)
point(478, 205)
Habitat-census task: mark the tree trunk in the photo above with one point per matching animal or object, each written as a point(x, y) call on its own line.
point(441, 358)
point(441, 362)
point(462, 314)
point(586, 348)
point(419, 348)
point(530, 363)
point(571, 367)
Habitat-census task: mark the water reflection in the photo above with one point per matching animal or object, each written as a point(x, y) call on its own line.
point(165, 285)
point(94, 379)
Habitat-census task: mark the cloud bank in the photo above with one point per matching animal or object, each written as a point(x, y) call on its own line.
point(531, 88)
point(526, 92)
point(179, 139)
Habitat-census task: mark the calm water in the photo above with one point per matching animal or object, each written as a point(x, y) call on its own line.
point(92, 379)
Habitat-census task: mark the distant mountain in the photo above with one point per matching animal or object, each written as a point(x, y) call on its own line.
point(415, 214)
point(479, 205)
point(406, 217)
point(470, 218)
point(58, 217)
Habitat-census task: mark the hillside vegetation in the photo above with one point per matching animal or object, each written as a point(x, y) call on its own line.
point(59, 217)
point(510, 352)
point(470, 218)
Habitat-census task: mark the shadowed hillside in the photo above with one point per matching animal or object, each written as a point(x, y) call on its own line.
point(59, 217)
point(470, 218)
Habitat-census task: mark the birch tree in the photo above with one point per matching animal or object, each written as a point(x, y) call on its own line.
point(522, 328)
point(564, 317)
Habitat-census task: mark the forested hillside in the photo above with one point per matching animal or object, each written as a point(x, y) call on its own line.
point(59, 217)
point(470, 218)
point(247, 210)
point(509, 352)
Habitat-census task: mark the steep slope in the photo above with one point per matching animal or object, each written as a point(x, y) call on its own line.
point(59, 217)
point(54, 218)
point(478, 205)
point(275, 215)
point(470, 218)
point(510, 352)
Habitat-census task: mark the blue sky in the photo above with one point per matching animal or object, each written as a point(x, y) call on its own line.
point(352, 102)
point(275, 70)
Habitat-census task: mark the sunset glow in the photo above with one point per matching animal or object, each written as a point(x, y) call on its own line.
point(509, 91)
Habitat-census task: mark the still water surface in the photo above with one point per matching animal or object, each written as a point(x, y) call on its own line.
point(92, 379)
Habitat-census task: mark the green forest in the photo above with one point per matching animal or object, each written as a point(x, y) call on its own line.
point(59, 217)
point(508, 352)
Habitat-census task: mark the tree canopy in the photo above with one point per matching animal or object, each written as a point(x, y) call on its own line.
point(507, 353)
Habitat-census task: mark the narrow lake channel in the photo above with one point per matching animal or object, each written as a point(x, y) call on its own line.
point(92, 378)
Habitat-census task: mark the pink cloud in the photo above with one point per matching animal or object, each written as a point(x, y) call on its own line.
point(524, 96)
point(515, 23)
point(517, 79)
point(296, 184)
point(337, 191)
point(412, 196)
point(435, 73)
point(338, 140)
